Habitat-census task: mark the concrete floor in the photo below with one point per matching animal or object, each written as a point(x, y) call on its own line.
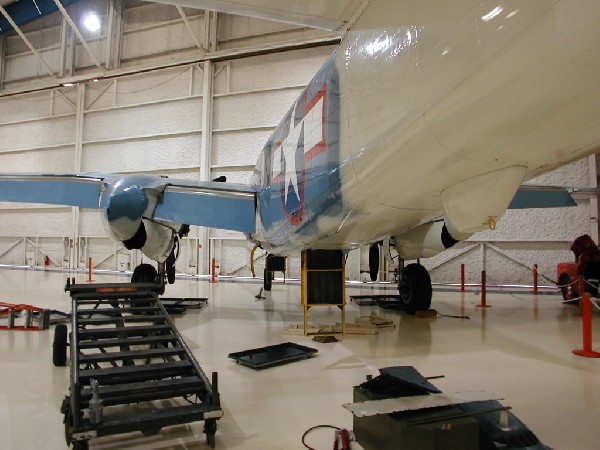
point(520, 349)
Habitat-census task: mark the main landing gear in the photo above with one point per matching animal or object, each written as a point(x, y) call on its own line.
point(414, 284)
point(146, 273)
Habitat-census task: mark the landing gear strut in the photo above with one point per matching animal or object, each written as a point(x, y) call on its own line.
point(414, 284)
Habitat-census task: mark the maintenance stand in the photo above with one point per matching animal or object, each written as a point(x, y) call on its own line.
point(126, 354)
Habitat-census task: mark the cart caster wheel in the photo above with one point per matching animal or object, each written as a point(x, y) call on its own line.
point(59, 346)
point(151, 431)
point(210, 428)
point(81, 445)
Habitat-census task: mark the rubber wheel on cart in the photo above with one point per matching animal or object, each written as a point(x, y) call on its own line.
point(210, 428)
point(567, 290)
point(59, 346)
point(81, 445)
point(144, 273)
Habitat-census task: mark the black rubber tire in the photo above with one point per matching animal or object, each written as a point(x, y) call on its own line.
point(567, 290)
point(144, 273)
point(210, 428)
point(81, 445)
point(59, 346)
point(268, 279)
point(374, 261)
point(415, 289)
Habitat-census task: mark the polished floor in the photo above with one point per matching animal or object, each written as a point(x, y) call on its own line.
point(520, 349)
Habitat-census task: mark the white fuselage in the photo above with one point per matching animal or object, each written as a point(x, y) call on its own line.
point(434, 93)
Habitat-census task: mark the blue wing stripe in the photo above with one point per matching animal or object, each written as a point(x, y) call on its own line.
point(530, 197)
point(231, 211)
point(62, 191)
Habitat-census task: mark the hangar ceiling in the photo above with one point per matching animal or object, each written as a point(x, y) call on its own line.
point(24, 11)
point(76, 54)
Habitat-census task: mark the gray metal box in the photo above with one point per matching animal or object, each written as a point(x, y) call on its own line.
point(430, 429)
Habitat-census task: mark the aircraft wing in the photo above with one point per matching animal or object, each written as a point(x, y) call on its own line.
point(328, 15)
point(70, 190)
point(210, 204)
point(536, 196)
point(219, 205)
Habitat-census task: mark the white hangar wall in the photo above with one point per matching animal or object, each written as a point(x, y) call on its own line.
point(149, 116)
point(158, 107)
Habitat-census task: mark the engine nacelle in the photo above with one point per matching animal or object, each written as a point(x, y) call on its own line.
point(423, 241)
point(127, 207)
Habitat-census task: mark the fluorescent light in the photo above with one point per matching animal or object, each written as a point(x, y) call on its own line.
point(92, 21)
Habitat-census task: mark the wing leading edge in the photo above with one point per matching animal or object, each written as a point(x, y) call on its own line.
point(210, 204)
point(70, 190)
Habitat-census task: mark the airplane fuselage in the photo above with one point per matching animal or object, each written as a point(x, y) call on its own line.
point(426, 110)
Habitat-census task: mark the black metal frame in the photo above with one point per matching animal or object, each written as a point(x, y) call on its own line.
point(140, 358)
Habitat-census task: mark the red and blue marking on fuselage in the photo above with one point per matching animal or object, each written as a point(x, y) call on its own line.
point(301, 163)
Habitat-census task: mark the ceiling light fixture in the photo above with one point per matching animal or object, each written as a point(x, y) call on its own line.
point(92, 21)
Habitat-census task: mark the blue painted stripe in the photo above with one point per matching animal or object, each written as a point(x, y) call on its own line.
point(210, 209)
point(541, 198)
point(59, 192)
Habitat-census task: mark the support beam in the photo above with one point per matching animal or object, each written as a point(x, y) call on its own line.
point(189, 28)
point(27, 42)
point(2, 60)
point(77, 32)
point(223, 55)
point(114, 32)
point(78, 164)
point(206, 148)
point(63, 69)
point(210, 42)
point(210, 30)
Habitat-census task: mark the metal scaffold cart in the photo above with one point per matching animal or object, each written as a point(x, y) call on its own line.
point(130, 368)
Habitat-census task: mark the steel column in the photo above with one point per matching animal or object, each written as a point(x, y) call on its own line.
point(2, 60)
point(78, 165)
point(114, 32)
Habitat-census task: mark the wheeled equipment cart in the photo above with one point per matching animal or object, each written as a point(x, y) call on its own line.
point(130, 368)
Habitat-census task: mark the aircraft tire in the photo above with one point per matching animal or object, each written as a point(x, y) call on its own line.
point(268, 280)
point(374, 261)
point(415, 289)
point(59, 346)
point(144, 273)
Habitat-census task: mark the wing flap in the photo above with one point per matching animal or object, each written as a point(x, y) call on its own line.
point(216, 205)
point(69, 190)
